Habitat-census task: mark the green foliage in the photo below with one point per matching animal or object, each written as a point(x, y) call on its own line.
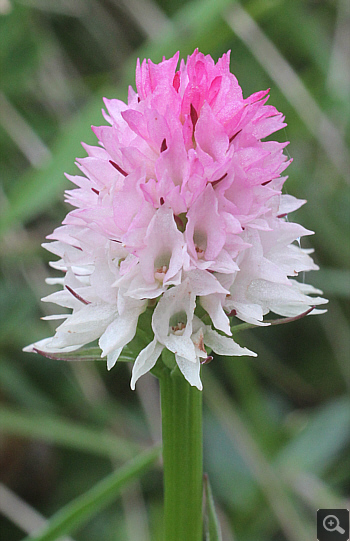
point(276, 428)
point(86, 506)
point(212, 531)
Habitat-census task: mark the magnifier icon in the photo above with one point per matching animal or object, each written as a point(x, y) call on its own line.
point(331, 524)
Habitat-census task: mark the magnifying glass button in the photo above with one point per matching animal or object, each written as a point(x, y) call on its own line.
point(331, 524)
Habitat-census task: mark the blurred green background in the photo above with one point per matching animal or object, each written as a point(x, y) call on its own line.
point(277, 428)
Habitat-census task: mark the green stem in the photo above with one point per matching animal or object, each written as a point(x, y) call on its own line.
point(183, 457)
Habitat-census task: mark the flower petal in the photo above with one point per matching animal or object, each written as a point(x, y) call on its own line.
point(191, 371)
point(223, 345)
point(122, 330)
point(212, 304)
point(145, 361)
point(112, 357)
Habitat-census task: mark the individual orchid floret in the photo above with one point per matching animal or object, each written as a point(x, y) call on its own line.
point(177, 329)
point(179, 213)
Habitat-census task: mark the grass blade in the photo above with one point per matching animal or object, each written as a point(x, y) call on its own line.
point(292, 524)
point(212, 531)
point(20, 513)
point(312, 452)
point(83, 508)
point(56, 430)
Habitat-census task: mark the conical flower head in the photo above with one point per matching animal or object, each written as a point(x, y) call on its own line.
point(179, 208)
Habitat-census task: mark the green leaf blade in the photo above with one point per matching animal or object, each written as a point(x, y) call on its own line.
point(83, 508)
point(59, 431)
point(212, 530)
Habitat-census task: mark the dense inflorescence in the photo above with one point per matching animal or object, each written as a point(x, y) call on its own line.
point(180, 205)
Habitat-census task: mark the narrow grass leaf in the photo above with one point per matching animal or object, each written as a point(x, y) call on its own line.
point(58, 431)
point(86, 506)
point(311, 450)
point(212, 531)
point(294, 526)
point(17, 385)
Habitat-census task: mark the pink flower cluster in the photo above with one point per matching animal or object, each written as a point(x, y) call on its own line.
point(180, 205)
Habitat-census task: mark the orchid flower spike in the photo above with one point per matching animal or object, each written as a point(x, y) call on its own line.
point(179, 208)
